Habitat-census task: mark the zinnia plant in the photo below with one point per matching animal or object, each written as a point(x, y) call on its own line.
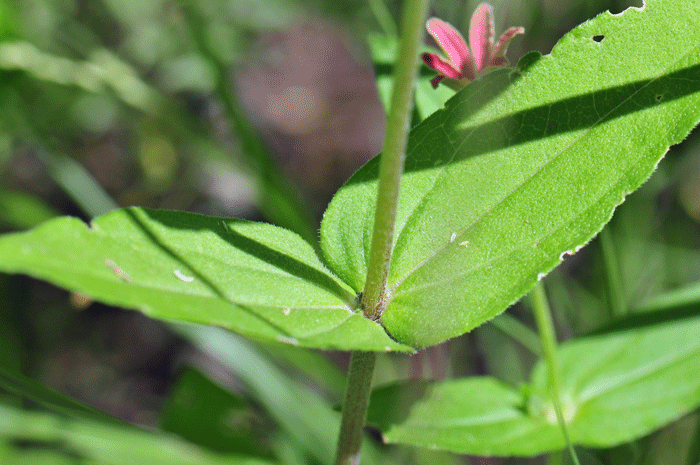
point(463, 214)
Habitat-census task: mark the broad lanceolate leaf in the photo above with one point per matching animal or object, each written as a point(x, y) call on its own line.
point(255, 279)
point(615, 388)
point(521, 167)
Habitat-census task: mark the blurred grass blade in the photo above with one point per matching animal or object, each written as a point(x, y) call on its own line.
point(303, 414)
point(26, 388)
point(518, 331)
point(684, 296)
point(78, 183)
point(311, 364)
point(20, 210)
point(108, 444)
point(280, 201)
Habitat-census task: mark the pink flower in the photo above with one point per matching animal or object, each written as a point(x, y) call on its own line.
point(464, 65)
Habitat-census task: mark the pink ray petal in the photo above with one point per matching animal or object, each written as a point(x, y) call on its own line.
point(450, 41)
point(481, 35)
point(498, 57)
point(498, 61)
point(441, 66)
point(436, 80)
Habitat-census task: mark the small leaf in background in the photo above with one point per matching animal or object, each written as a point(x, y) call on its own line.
point(256, 279)
point(521, 168)
point(208, 415)
point(615, 388)
point(22, 211)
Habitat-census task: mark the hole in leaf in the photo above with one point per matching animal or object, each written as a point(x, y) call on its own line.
point(659, 97)
point(599, 37)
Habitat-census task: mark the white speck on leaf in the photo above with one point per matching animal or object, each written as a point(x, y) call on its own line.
point(540, 276)
point(453, 237)
point(178, 274)
point(286, 311)
point(464, 244)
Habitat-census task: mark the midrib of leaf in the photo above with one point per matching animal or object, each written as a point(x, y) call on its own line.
point(441, 173)
point(215, 296)
point(263, 268)
point(203, 288)
point(489, 418)
point(209, 284)
point(493, 259)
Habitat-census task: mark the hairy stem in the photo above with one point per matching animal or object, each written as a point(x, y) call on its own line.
point(393, 155)
point(390, 170)
point(355, 407)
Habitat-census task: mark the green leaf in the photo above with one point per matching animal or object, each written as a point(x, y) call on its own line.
point(206, 414)
point(615, 388)
point(256, 279)
point(108, 444)
point(21, 211)
point(521, 167)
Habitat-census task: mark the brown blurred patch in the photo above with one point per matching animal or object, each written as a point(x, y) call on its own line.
point(316, 104)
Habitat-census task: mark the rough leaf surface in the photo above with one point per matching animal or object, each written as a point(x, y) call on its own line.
point(255, 279)
point(522, 167)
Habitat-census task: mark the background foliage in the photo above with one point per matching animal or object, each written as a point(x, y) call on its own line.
point(153, 102)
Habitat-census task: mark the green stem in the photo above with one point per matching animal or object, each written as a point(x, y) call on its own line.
point(75, 181)
point(518, 331)
point(393, 155)
point(548, 340)
point(355, 407)
point(383, 16)
point(390, 171)
point(612, 271)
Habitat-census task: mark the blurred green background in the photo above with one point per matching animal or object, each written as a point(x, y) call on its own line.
point(261, 110)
